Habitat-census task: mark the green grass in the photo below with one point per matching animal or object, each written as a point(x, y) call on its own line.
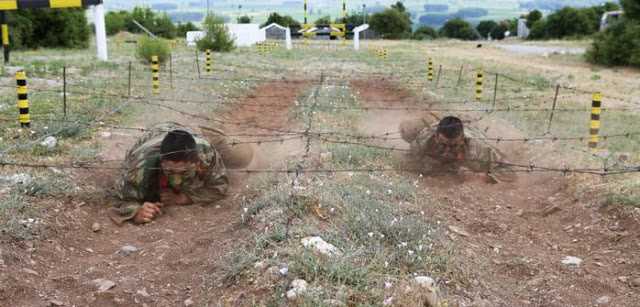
point(19, 219)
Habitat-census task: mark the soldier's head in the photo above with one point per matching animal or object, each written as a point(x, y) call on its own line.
point(179, 158)
point(450, 139)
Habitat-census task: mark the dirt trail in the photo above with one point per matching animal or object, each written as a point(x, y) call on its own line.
point(178, 255)
point(519, 233)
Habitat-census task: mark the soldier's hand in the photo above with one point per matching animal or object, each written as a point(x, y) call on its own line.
point(148, 211)
point(170, 197)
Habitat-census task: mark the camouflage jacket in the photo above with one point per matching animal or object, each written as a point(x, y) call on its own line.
point(141, 179)
point(476, 155)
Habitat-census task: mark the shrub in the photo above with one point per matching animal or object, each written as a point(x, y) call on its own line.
point(182, 29)
point(147, 46)
point(216, 36)
point(485, 27)
point(44, 27)
point(458, 28)
point(497, 32)
point(391, 24)
point(619, 44)
point(425, 33)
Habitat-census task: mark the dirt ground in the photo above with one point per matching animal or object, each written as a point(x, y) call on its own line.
point(511, 238)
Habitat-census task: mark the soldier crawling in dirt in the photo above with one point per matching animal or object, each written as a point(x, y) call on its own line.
point(447, 146)
point(173, 165)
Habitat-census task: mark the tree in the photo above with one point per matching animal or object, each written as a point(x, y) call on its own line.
point(164, 27)
point(425, 33)
point(497, 32)
point(631, 9)
point(485, 27)
point(391, 24)
point(51, 28)
point(244, 19)
point(399, 6)
point(115, 22)
point(281, 20)
point(538, 30)
point(216, 35)
point(182, 29)
point(458, 28)
point(569, 22)
point(532, 17)
point(323, 20)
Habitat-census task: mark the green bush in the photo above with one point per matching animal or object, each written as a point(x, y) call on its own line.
point(619, 44)
point(497, 32)
point(458, 28)
point(284, 21)
point(159, 24)
point(147, 46)
point(182, 29)
point(216, 36)
point(425, 33)
point(49, 28)
point(391, 23)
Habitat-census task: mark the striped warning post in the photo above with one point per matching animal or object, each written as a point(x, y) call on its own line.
point(23, 100)
point(344, 21)
point(430, 78)
point(9, 5)
point(208, 62)
point(479, 86)
point(156, 74)
point(594, 126)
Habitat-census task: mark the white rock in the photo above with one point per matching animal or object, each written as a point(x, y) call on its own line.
point(429, 286)
point(95, 227)
point(15, 179)
point(603, 300)
point(570, 260)
point(320, 245)
point(188, 302)
point(104, 134)
point(297, 286)
point(143, 292)
point(259, 265)
point(49, 142)
point(30, 271)
point(326, 157)
point(129, 249)
point(103, 284)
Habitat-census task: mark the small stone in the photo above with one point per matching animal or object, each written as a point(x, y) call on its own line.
point(49, 142)
point(188, 302)
point(103, 284)
point(55, 303)
point(143, 292)
point(623, 279)
point(298, 286)
point(95, 227)
point(636, 282)
point(321, 246)
point(429, 285)
point(259, 265)
point(30, 271)
point(458, 231)
point(333, 302)
point(603, 300)
point(570, 260)
point(129, 249)
point(551, 210)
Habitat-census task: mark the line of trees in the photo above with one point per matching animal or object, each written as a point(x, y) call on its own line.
point(49, 28)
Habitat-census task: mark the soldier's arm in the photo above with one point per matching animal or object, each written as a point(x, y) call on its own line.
point(128, 194)
point(215, 184)
point(490, 161)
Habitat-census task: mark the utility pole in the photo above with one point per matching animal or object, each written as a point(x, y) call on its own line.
point(207, 7)
point(364, 13)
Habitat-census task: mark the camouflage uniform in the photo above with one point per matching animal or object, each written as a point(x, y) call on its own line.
point(475, 155)
point(143, 177)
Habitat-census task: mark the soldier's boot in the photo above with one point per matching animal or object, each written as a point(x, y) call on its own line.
point(233, 155)
point(410, 128)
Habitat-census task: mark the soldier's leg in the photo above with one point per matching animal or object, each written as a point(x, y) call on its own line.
point(233, 155)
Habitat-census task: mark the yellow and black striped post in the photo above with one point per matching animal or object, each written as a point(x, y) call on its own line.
point(430, 78)
point(156, 74)
point(208, 62)
point(5, 35)
point(23, 99)
point(594, 126)
point(305, 21)
point(479, 86)
point(344, 21)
